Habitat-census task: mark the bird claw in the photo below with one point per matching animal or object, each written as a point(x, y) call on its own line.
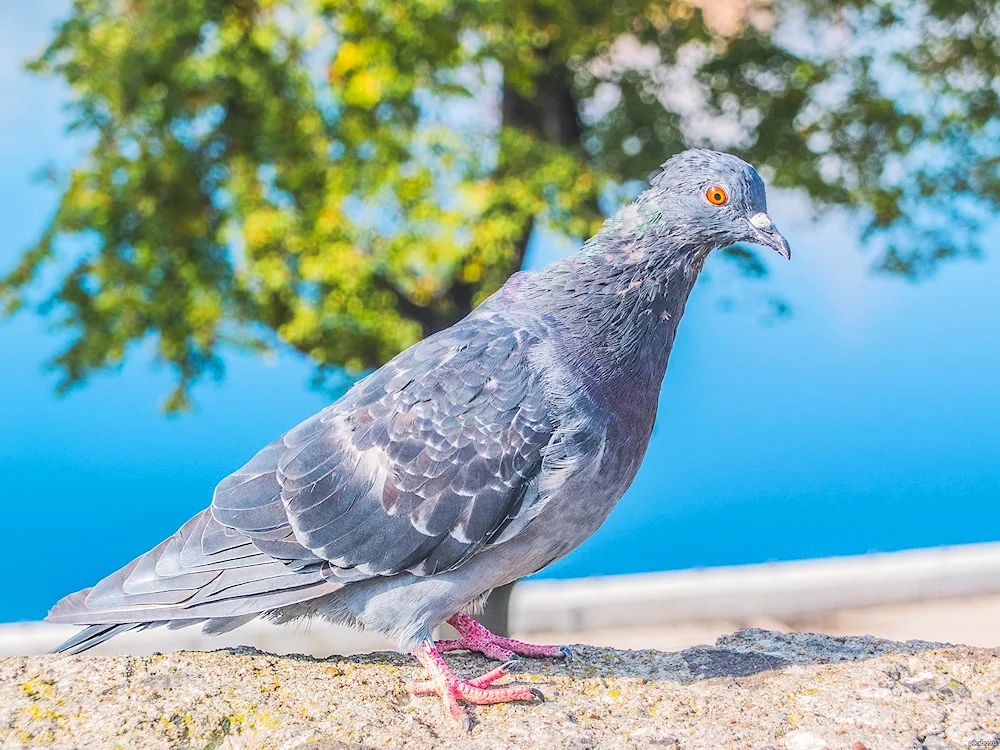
point(511, 664)
point(444, 683)
point(474, 637)
point(466, 724)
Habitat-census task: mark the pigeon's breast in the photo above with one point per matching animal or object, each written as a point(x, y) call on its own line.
point(582, 496)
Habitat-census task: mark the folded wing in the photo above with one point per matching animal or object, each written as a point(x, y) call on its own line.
point(419, 466)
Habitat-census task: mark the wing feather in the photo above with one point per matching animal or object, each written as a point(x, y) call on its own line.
point(204, 570)
point(418, 467)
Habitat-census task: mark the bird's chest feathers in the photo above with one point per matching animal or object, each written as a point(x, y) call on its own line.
point(627, 343)
point(621, 349)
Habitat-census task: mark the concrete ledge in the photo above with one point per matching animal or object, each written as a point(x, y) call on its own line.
point(316, 638)
point(755, 689)
point(784, 590)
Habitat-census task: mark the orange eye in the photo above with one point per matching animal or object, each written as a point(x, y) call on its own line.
point(716, 195)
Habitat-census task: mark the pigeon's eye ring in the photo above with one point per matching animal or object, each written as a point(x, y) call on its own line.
point(716, 195)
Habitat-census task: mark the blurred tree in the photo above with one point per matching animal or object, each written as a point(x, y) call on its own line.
point(347, 176)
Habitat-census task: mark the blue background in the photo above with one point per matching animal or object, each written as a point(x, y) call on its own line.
point(868, 420)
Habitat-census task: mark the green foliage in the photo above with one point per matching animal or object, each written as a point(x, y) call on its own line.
point(347, 176)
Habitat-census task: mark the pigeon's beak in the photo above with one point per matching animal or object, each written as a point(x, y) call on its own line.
point(769, 235)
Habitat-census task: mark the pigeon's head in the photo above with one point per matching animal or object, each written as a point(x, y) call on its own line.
point(711, 199)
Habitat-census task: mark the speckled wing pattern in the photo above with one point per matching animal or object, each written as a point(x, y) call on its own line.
point(419, 466)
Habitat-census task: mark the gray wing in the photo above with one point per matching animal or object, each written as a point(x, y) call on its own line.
point(418, 467)
point(203, 572)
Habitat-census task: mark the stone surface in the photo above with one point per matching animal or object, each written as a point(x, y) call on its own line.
point(754, 689)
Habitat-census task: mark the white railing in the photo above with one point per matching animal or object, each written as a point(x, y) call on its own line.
point(781, 590)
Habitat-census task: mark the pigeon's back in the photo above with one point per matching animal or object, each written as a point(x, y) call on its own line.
point(422, 464)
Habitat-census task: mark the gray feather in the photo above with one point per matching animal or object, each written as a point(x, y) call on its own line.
point(475, 457)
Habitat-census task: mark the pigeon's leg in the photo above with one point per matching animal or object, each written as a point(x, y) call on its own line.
point(443, 682)
point(477, 638)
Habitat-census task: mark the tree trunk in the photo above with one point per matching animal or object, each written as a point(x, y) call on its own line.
point(551, 115)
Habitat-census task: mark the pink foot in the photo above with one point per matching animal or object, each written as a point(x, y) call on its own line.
point(445, 683)
point(477, 638)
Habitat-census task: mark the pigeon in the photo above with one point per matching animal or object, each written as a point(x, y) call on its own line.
point(476, 457)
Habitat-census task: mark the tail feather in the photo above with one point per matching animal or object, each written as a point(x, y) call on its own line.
point(92, 636)
point(212, 625)
point(220, 625)
point(178, 624)
point(186, 581)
